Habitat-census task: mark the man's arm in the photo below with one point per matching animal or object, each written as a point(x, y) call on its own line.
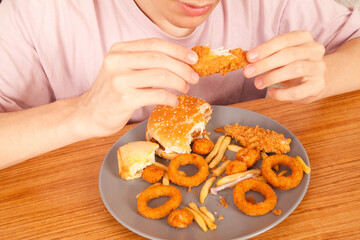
point(343, 69)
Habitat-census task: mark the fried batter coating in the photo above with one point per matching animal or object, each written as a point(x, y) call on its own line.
point(180, 218)
point(186, 181)
point(152, 174)
point(248, 155)
point(218, 60)
point(282, 182)
point(249, 208)
point(235, 167)
point(156, 192)
point(202, 146)
point(259, 138)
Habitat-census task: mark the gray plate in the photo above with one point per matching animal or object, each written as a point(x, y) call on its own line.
point(119, 196)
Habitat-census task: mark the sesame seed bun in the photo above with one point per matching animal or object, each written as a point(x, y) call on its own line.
point(175, 128)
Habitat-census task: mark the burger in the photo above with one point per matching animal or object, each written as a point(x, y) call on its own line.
point(174, 129)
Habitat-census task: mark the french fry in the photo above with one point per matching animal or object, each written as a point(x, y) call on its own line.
point(198, 219)
point(160, 166)
point(165, 179)
point(217, 172)
point(208, 222)
point(215, 150)
point(234, 148)
point(305, 167)
point(221, 152)
point(282, 173)
point(276, 167)
point(205, 189)
point(233, 177)
point(261, 178)
point(263, 155)
point(205, 211)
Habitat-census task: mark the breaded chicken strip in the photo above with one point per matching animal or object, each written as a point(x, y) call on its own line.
point(218, 60)
point(259, 138)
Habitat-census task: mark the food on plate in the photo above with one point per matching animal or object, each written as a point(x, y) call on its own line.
point(210, 224)
point(160, 165)
point(202, 146)
point(259, 138)
point(232, 180)
point(219, 170)
point(249, 208)
point(156, 192)
point(188, 181)
point(263, 155)
point(180, 218)
point(248, 155)
point(282, 173)
point(305, 167)
point(234, 148)
point(198, 219)
point(134, 157)
point(205, 188)
point(215, 149)
point(221, 152)
point(153, 185)
point(152, 174)
point(235, 167)
point(277, 211)
point(165, 180)
point(251, 200)
point(282, 182)
point(205, 211)
point(218, 60)
point(174, 128)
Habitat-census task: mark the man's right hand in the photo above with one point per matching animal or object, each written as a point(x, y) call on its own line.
point(135, 74)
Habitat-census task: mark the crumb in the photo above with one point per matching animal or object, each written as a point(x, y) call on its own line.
point(219, 205)
point(215, 213)
point(220, 218)
point(194, 192)
point(189, 190)
point(220, 129)
point(226, 205)
point(223, 203)
point(250, 200)
point(277, 211)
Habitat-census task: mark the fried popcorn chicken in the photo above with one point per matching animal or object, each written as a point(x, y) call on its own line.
point(218, 60)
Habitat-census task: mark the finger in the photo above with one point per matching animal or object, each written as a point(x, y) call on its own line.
point(292, 71)
point(277, 43)
point(157, 45)
point(153, 96)
point(308, 89)
point(161, 78)
point(309, 51)
point(149, 60)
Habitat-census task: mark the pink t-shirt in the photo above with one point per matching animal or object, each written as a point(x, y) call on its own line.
point(53, 50)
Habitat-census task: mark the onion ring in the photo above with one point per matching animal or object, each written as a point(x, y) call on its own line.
point(180, 218)
point(282, 182)
point(152, 174)
point(156, 192)
point(249, 208)
point(186, 181)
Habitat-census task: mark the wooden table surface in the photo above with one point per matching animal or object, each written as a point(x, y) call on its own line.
point(56, 195)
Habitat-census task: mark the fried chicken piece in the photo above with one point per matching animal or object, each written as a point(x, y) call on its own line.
point(180, 218)
point(235, 167)
point(259, 138)
point(218, 60)
point(152, 174)
point(202, 146)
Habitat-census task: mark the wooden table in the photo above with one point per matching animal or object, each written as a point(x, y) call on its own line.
point(56, 195)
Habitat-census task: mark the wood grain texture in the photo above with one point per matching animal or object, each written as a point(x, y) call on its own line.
point(56, 195)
